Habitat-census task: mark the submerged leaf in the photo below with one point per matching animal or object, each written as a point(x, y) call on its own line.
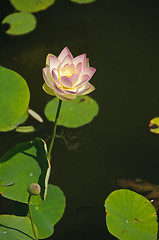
point(74, 113)
point(20, 23)
point(130, 216)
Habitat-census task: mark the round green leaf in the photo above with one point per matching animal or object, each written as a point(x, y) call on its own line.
point(130, 216)
point(24, 164)
point(15, 228)
point(49, 212)
point(14, 98)
point(20, 23)
point(74, 113)
point(31, 5)
point(83, 1)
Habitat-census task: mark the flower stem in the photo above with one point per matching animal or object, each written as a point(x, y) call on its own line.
point(54, 130)
point(31, 219)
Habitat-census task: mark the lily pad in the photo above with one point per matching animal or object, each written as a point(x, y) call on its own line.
point(24, 164)
point(83, 1)
point(31, 5)
point(74, 113)
point(154, 125)
point(130, 216)
point(47, 214)
point(20, 23)
point(14, 99)
point(17, 228)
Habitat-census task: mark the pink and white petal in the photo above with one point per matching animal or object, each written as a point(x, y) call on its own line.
point(82, 80)
point(86, 89)
point(67, 60)
point(74, 78)
point(47, 76)
point(78, 68)
point(55, 77)
point(89, 71)
point(53, 62)
point(64, 53)
point(47, 59)
point(66, 82)
point(48, 90)
point(68, 70)
point(57, 89)
point(81, 58)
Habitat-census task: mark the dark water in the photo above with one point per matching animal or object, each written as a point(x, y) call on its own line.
point(121, 38)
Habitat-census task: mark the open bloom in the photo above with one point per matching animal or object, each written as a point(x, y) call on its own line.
point(67, 77)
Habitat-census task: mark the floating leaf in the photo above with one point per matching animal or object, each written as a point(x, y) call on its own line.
point(14, 99)
point(47, 214)
point(20, 23)
point(24, 164)
point(74, 113)
point(16, 228)
point(130, 216)
point(31, 5)
point(83, 1)
point(154, 125)
point(25, 129)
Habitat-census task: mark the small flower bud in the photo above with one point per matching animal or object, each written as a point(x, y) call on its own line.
point(34, 189)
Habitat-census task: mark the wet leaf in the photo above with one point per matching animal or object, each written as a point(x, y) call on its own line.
point(74, 113)
point(31, 5)
point(15, 228)
point(130, 216)
point(14, 99)
point(24, 164)
point(20, 23)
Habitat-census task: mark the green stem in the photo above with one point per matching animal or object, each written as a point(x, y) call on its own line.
point(54, 130)
point(31, 219)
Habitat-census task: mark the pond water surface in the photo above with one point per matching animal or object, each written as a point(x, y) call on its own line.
point(121, 38)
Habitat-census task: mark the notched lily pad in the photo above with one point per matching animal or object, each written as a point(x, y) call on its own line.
point(47, 214)
point(154, 125)
point(24, 164)
point(16, 228)
point(31, 5)
point(20, 23)
point(130, 216)
point(74, 113)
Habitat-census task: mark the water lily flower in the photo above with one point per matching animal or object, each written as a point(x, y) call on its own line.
point(67, 77)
